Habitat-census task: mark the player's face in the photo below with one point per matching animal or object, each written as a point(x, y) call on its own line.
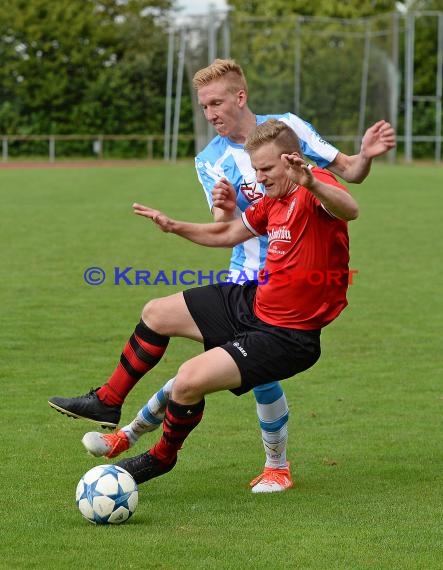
point(270, 170)
point(221, 107)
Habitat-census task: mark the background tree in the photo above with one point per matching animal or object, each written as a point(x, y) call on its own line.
point(82, 65)
point(99, 66)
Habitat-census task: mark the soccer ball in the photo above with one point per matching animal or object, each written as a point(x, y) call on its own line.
point(107, 494)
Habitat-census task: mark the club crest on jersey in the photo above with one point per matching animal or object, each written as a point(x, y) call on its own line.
point(251, 192)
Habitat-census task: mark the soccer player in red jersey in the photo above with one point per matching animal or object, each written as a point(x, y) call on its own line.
point(222, 93)
point(256, 332)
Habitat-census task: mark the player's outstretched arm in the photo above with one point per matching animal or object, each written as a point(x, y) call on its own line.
point(377, 140)
point(220, 234)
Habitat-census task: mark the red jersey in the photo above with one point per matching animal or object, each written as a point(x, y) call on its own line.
point(304, 280)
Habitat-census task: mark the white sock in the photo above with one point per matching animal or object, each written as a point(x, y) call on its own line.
point(150, 417)
point(273, 415)
point(274, 443)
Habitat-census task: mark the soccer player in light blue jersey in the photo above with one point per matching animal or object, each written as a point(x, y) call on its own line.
point(224, 170)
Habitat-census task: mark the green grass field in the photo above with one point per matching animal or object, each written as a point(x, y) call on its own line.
point(366, 421)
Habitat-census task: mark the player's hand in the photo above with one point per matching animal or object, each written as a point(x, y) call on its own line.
point(162, 221)
point(224, 196)
point(378, 139)
point(297, 170)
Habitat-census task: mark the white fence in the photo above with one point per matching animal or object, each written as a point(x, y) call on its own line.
point(53, 147)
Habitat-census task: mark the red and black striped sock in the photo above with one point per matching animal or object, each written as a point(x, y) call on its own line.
point(179, 421)
point(141, 353)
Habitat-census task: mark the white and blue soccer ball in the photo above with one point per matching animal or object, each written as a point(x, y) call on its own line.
point(107, 494)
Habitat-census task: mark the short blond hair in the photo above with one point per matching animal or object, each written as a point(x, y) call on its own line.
point(221, 69)
point(274, 131)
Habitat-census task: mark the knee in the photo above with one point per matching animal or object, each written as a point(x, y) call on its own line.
point(152, 315)
point(186, 388)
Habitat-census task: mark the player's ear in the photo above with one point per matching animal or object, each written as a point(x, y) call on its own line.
point(242, 98)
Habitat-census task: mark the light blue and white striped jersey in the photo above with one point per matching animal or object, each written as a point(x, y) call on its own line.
point(224, 158)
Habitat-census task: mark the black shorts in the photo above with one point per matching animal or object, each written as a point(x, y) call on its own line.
point(263, 352)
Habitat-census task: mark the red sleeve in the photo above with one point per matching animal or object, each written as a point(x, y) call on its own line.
point(255, 217)
point(327, 177)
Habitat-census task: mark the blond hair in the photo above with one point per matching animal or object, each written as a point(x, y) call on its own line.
point(274, 131)
point(221, 69)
